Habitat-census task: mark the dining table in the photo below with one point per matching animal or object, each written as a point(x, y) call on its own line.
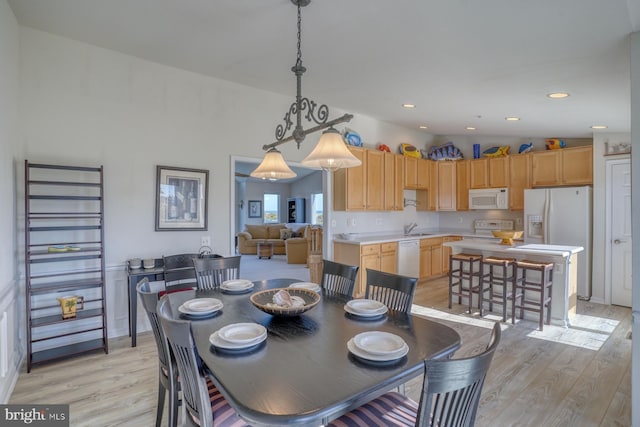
point(303, 373)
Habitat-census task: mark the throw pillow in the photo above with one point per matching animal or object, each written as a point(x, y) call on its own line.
point(286, 233)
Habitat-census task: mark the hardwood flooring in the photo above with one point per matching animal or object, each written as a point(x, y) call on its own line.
point(579, 376)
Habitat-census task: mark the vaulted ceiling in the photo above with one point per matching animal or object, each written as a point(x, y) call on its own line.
point(461, 62)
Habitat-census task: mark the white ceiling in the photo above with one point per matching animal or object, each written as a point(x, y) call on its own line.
point(462, 62)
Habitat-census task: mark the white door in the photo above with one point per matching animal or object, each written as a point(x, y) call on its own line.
point(619, 212)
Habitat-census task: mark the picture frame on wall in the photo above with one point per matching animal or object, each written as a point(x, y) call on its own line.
point(255, 208)
point(181, 198)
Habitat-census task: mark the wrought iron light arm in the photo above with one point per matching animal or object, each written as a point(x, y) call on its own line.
point(302, 104)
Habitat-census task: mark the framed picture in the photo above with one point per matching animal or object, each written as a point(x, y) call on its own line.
point(255, 208)
point(181, 199)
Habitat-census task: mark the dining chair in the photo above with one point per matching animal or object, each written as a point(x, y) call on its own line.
point(393, 290)
point(211, 272)
point(338, 278)
point(179, 272)
point(450, 395)
point(167, 372)
point(204, 404)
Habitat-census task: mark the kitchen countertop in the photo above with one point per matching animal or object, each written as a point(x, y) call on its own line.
point(371, 238)
point(517, 249)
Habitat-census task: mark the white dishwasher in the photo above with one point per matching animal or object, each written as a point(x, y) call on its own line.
point(409, 258)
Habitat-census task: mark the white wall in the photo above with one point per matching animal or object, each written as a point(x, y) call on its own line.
point(81, 104)
point(11, 300)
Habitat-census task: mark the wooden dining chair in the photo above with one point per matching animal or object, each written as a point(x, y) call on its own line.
point(450, 395)
point(393, 290)
point(338, 278)
point(167, 372)
point(179, 272)
point(204, 404)
point(211, 272)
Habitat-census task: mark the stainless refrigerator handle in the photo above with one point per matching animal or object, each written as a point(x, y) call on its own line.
point(545, 219)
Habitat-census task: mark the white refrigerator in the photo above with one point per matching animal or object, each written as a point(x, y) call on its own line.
point(562, 216)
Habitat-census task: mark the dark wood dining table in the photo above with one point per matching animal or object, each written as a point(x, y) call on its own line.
point(303, 374)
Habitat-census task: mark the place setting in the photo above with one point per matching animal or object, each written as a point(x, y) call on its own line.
point(236, 286)
point(365, 309)
point(200, 308)
point(238, 337)
point(377, 347)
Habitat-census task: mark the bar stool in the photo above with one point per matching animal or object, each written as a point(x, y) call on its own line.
point(542, 284)
point(469, 266)
point(504, 281)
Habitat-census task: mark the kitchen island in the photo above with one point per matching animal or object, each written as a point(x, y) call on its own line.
point(565, 259)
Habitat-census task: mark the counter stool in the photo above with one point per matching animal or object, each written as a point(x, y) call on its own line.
point(461, 277)
point(542, 284)
point(503, 281)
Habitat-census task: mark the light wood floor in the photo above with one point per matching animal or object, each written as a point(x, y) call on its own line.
point(562, 377)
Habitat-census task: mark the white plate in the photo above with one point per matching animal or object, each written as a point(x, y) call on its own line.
point(375, 357)
point(236, 285)
point(215, 339)
point(194, 308)
point(379, 343)
point(307, 285)
point(242, 333)
point(365, 307)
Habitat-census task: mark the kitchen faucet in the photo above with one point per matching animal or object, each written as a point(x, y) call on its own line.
point(409, 227)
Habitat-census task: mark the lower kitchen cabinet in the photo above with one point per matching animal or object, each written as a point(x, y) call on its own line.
point(364, 256)
point(389, 257)
point(431, 257)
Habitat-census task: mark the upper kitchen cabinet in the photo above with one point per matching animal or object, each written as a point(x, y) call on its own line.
point(393, 182)
point(349, 185)
point(568, 166)
point(462, 185)
point(446, 192)
point(416, 172)
point(519, 180)
point(427, 199)
point(375, 179)
point(489, 172)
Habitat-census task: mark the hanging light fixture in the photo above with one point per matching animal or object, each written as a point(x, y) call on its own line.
point(330, 153)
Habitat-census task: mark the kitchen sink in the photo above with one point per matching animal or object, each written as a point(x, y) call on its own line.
point(418, 234)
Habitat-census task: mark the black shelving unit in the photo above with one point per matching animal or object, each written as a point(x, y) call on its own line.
point(64, 255)
point(296, 210)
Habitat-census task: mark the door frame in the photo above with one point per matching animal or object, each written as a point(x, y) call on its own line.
point(608, 287)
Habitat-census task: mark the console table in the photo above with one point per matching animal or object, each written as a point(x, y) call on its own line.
point(134, 276)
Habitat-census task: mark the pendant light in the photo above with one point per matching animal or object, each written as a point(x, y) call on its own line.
point(330, 153)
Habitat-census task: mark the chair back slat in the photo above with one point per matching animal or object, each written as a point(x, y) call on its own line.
point(195, 395)
point(338, 278)
point(393, 290)
point(452, 387)
point(211, 272)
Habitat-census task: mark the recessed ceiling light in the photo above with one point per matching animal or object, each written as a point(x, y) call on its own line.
point(424, 127)
point(557, 95)
point(512, 119)
point(409, 105)
point(599, 127)
point(470, 128)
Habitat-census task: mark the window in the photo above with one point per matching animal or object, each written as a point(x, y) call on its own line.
point(271, 208)
point(316, 209)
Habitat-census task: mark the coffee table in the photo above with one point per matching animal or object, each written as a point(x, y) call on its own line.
point(265, 250)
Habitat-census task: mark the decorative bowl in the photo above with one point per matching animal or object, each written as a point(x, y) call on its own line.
point(263, 300)
point(507, 236)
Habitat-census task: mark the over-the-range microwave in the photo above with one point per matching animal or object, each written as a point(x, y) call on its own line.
point(489, 198)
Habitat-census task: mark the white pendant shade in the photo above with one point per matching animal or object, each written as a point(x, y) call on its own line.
point(331, 153)
point(273, 167)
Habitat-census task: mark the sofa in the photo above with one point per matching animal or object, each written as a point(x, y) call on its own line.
point(249, 238)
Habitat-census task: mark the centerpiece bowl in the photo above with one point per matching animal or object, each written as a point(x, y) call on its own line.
point(507, 236)
point(263, 300)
